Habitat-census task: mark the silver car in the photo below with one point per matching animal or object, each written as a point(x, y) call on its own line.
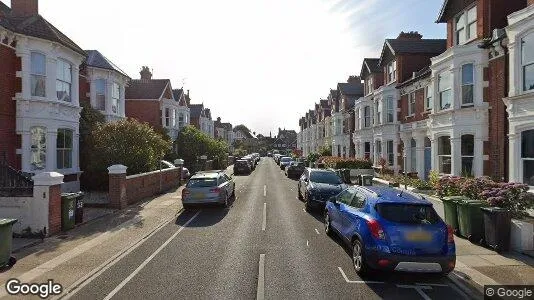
point(208, 187)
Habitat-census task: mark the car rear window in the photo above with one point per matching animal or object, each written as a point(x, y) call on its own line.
point(202, 182)
point(241, 163)
point(284, 159)
point(408, 213)
point(325, 177)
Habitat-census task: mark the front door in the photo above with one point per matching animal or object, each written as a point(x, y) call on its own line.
point(428, 162)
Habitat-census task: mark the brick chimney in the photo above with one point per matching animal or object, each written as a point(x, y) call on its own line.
point(24, 8)
point(412, 35)
point(530, 2)
point(354, 79)
point(145, 73)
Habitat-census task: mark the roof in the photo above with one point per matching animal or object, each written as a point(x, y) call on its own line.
point(206, 174)
point(391, 195)
point(36, 26)
point(324, 104)
point(450, 8)
point(350, 88)
point(425, 72)
point(146, 88)
point(196, 110)
point(411, 46)
point(96, 59)
point(207, 113)
point(372, 65)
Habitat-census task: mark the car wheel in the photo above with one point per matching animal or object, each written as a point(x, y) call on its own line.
point(327, 223)
point(226, 203)
point(186, 206)
point(358, 257)
point(299, 195)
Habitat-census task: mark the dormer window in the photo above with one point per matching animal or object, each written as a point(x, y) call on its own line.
point(369, 84)
point(466, 26)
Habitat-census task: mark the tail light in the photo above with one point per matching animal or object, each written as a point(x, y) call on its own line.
point(376, 229)
point(215, 190)
point(450, 234)
point(185, 192)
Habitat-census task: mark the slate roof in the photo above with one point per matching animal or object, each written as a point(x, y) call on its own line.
point(196, 110)
point(372, 64)
point(207, 113)
point(324, 104)
point(350, 89)
point(96, 59)
point(146, 88)
point(36, 26)
point(432, 46)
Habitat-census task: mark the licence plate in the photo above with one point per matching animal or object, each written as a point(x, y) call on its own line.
point(418, 236)
point(198, 195)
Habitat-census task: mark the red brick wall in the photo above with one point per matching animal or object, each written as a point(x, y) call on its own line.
point(409, 63)
point(450, 34)
point(142, 187)
point(419, 107)
point(195, 122)
point(117, 190)
point(54, 209)
point(144, 111)
point(9, 85)
point(497, 119)
point(84, 85)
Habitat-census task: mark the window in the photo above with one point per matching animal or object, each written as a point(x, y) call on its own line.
point(100, 86)
point(367, 116)
point(358, 201)
point(63, 80)
point(64, 148)
point(444, 86)
point(467, 84)
point(413, 155)
point(466, 26)
point(38, 148)
point(346, 196)
point(390, 109)
point(367, 150)
point(369, 85)
point(390, 153)
point(180, 120)
point(428, 97)
point(358, 119)
point(115, 98)
point(167, 117)
point(378, 151)
point(444, 154)
point(38, 74)
point(527, 61)
point(468, 150)
point(378, 109)
point(411, 104)
point(527, 156)
point(391, 71)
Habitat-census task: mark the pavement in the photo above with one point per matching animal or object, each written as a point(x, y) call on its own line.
point(265, 246)
point(477, 266)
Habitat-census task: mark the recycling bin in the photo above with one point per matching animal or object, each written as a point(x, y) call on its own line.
point(78, 212)
point(450, 207)
point(6, 240)
point(68, 208)
point(471, 220)
point(365, 180)
point(497, 225)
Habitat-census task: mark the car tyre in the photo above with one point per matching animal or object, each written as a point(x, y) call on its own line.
point(358, 257)
point(226, 202)
point(186, 206)
point(308, 204)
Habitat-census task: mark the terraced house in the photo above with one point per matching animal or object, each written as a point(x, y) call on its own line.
point(39, 94)
point(201, 119)
point(343, 117)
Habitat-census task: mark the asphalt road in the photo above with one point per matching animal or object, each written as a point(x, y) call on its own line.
point(265, 246)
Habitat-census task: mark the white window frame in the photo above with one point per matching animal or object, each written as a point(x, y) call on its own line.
point(62, 81)
point(369, 85)
point(429, 97)
point(462, 22)
point(378, 111)
point(390, 109)
point(442, 91)
point(411, 104)
point(525, 64)
point(167, 116)
point(467, 156)
point(413, 155)
point(38, 147)
point(391, 71)
point(63, 152)
point(523, 159)
point(378, 151)
point(390, 152)
point(367, 122)
point(115, 98)
point(463, 83)
point(34, 76)
point(442, 157)
point(98, 94)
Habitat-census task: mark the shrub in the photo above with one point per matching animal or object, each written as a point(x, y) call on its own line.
point(449, 186)
point(89, 118)
point(512, 196)
point(192, 143)
point(473, 187)
point(344, 163)
point(421, 184)
point(433, 178)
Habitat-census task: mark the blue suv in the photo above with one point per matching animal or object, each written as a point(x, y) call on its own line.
point(391, 230)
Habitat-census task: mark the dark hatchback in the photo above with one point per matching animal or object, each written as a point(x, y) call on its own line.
point(316, 186)
point(241, 167)
point(295, 169)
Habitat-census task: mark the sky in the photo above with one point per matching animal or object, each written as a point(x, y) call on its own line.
point(262, 63)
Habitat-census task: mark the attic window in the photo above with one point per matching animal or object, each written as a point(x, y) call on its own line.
point(466, 26)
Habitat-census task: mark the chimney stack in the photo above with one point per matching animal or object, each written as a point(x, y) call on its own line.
point(411, 35)
point(145, 73)
point(354, 79)
point(24, 8)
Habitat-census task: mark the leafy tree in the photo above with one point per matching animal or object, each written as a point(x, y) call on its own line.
point(242, 128)
point(325, 151)
point(192, 143)
point(240, 152)
point(89, 118)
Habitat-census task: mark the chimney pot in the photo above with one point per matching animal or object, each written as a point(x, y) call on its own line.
point(411, 35)
point(24, 8)
point(145, 73)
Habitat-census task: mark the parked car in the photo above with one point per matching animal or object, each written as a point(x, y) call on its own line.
point(250, 161)
point(277, 158)
point(316, 186)
point(269, 154)
point(295, 169)
point(285, 161)
point(208, 187)
point(167, 165)
point(392, 231)
point(241, 166)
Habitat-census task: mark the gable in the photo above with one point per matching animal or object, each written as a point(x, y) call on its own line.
point(167, 93)
point(452, 7)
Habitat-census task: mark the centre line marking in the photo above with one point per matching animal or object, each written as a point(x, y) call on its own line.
point(260, 291)
point(264, 191)
point(317, 231)
point(307, 243)
point(142, 265)
point(264, 222)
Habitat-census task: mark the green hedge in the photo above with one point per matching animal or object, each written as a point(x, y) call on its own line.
point(353, 164)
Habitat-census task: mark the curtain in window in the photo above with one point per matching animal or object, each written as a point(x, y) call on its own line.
point(38, 148)
point(38, 74)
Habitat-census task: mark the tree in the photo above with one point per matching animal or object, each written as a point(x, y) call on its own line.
point(242, 128)
point(89, 118)
point(192, 143)
point(325, 151)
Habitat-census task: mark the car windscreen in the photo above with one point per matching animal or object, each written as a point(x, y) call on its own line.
point(240, 163)
point(408, 213)
point(286, 159)
point(202, 182)
point(325, 177)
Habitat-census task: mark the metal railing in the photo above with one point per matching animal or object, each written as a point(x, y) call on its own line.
point(14, 183)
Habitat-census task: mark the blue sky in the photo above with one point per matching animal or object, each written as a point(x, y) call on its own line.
point(262, 63)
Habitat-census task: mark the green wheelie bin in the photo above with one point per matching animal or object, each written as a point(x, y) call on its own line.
point(450, 204)
point(68, 208)
point(471, 220)
point(6, 240)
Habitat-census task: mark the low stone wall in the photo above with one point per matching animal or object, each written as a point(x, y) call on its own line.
point(146, 185)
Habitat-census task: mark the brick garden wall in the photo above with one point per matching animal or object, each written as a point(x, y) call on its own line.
point(54, 210)
point(146, 185)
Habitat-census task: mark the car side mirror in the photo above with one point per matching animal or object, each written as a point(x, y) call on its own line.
point(333, 199)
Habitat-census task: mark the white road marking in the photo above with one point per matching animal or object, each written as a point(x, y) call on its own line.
point(317, 231)
point(264, 222)
point(418, 288)
point(264, 191)
point(356, 281)
point(142, 265)
point(260, 291)
point(307, 243)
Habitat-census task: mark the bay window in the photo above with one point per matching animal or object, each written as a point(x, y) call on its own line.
point(367, 116)
point(390, 152)
point(38, 148)
point(428, 97)
point(467, 84)
point(115, 98)
point(173, 119)
point(527, 61)
point(527, 156)
point(100, 86)
point(378, 151)
point(38, 74)
point(466, 26)
point(369, 85)
point(411, 104)
point(167, 117)
point(444, 155)
point(63, 80)
point(358, 118)
point(64, 148)
point(378, 110)
point(391, 71)
point(445, 91)
point(390, 109)
point(468, 152)
point(180, 120)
